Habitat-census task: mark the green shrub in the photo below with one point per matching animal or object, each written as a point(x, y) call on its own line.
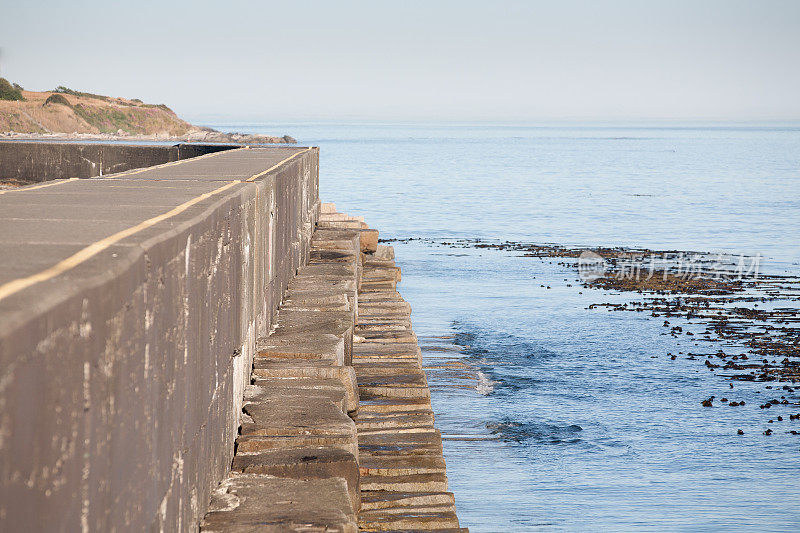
point(57, 99)
point(8, 91)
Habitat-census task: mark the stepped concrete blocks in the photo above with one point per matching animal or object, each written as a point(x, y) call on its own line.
point(248, 503)
point(342, 342)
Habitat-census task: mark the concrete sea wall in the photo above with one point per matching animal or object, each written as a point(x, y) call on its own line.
point(129, 313)
point(34, 161)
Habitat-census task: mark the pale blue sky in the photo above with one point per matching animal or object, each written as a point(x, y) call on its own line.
point(471, 61)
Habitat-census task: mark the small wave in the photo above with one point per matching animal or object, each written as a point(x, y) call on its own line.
point(541, 433)
point(485, 385)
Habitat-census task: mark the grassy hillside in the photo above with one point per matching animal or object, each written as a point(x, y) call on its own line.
point(67, 111)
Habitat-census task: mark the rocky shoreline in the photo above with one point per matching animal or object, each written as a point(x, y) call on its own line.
point(200, 135)
point(740, 323)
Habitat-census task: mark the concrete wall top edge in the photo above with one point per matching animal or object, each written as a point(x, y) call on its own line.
point(23, 306)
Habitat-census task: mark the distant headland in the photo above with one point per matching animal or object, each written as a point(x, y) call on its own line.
point(65, 113)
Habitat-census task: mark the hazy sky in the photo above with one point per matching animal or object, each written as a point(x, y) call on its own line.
point(502, 60)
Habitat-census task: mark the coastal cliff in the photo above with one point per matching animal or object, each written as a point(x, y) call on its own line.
point(74, 114)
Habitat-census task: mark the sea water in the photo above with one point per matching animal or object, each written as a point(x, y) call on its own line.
point(555, 416)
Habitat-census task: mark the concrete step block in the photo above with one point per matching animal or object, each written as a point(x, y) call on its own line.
point(334, 216)
point(393, 431)
point(401, 465)
point(367, 414)
point(386, 368)
point(319, 256)
point(290, 345)
point(348, 235)
point(371, 285)
point(303, 416)
point(410, 483)
point(339, 323)
point(333, 270)
point(388, 335)
point(345, 375)
point(410, 378)
point(388, 391)
point(386, 325)
point(377, 452)
point(381, 274)
point(435, 530)
point(393, 405)
point(407, 359)
point(421, 509)
point(385, 296)
point(384, 251)
point(246, 444)
point(330, 388)
point(339, 224)
point(410, 349)
point(398, 422)
point(428, 438)
point(414, 520)
point(271, 389)
point(384, 309)
point(370, 261)
point(369, 240)
point(305, 463)
point(374, 500)
point(250, 502)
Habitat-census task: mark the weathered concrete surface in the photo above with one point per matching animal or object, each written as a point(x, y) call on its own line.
point(248, 503)
point(37, 161)
point(129, 311)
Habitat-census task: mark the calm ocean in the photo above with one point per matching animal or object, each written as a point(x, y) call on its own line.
point(556, 416)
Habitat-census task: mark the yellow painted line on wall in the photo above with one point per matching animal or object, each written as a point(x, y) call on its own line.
point(276, 165)
point(22, 189)
point(95, 248)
